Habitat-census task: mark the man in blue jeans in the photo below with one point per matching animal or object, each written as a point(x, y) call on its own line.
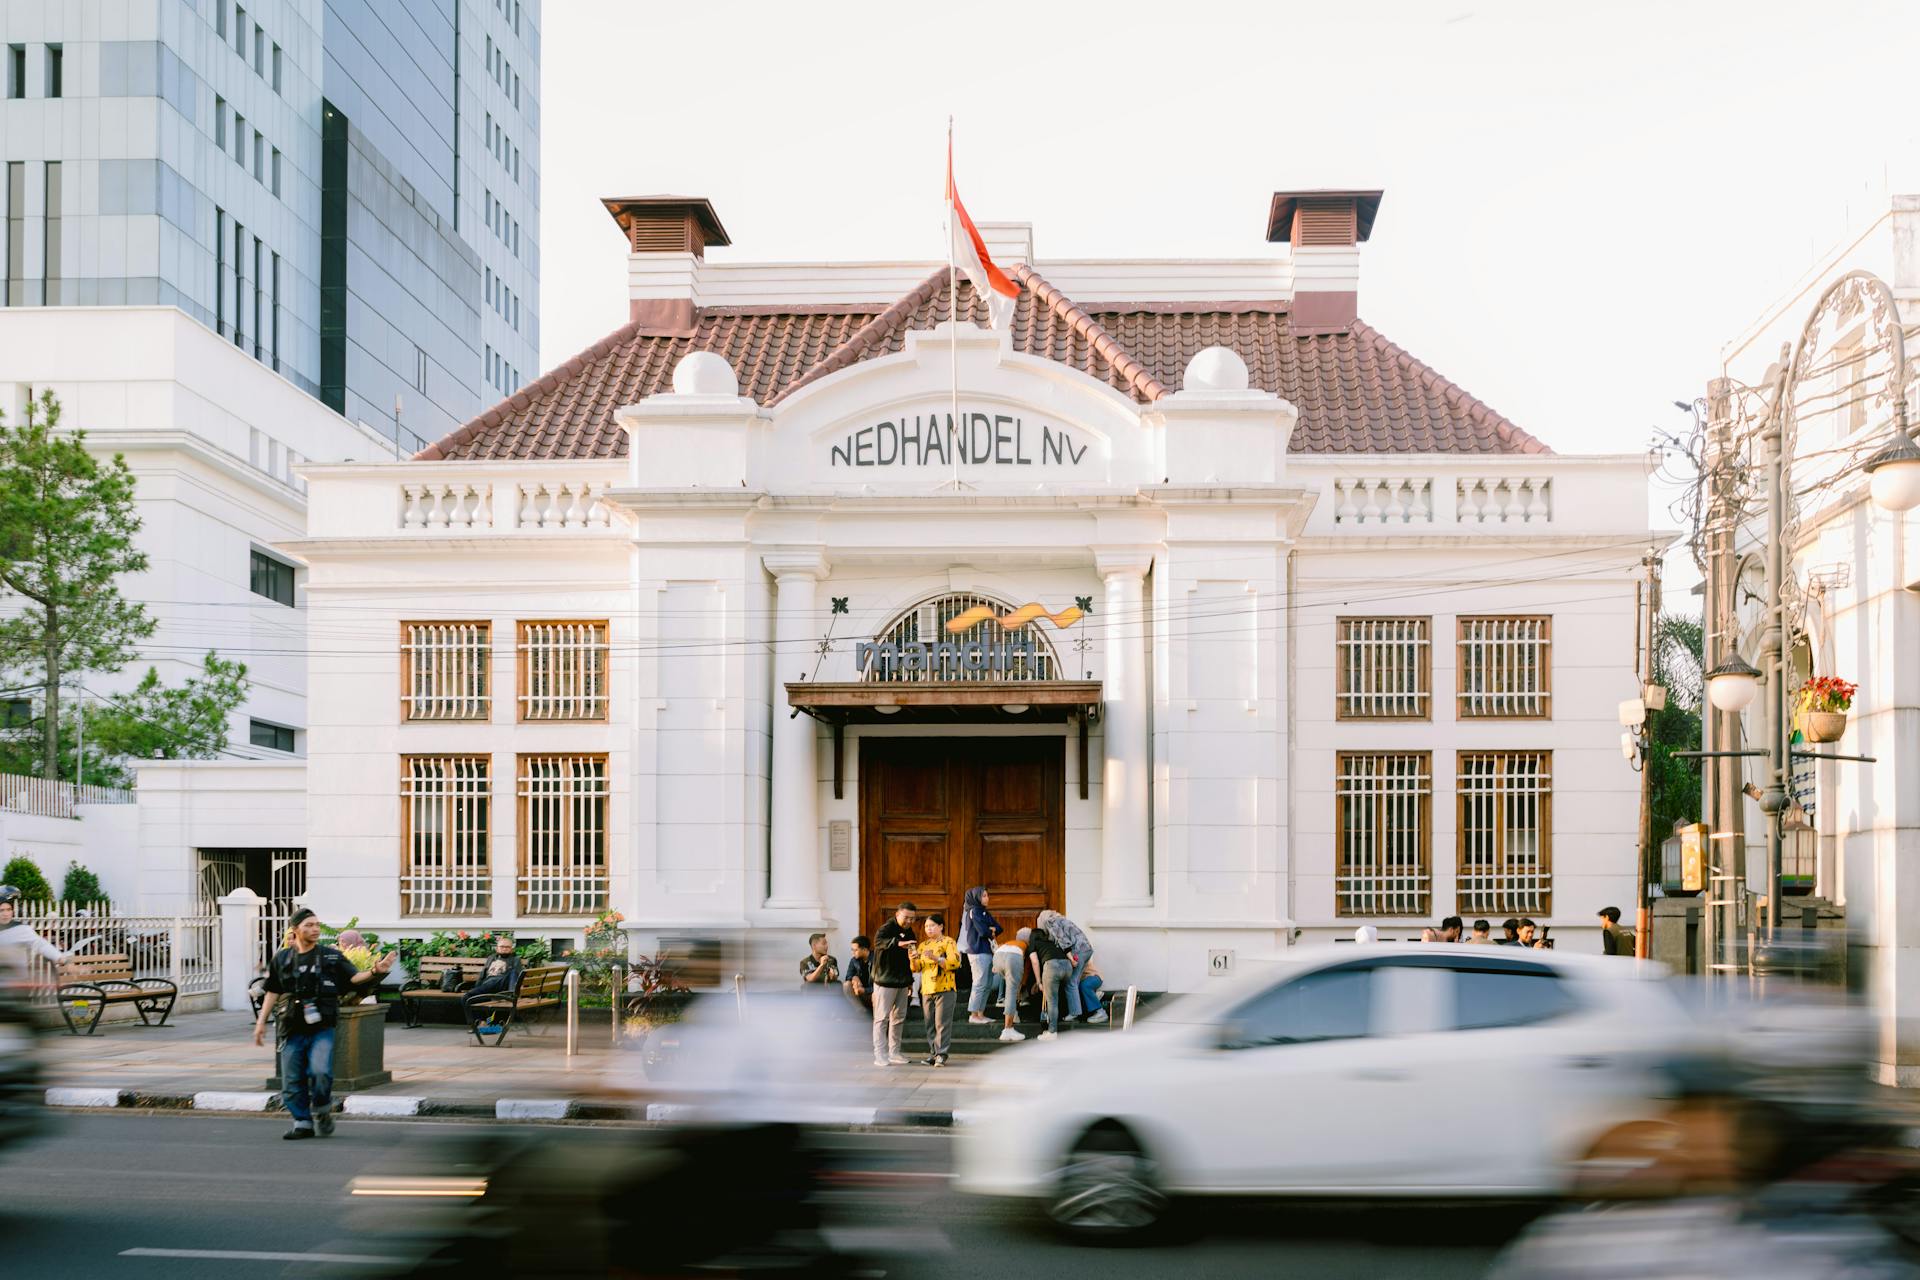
point(309, 979)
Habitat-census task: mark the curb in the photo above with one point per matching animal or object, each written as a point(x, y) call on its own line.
point(520, 1110)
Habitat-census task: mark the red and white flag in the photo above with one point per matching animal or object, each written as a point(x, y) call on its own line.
point(969, 254)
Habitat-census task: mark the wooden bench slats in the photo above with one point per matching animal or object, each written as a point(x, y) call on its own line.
point(92, 982)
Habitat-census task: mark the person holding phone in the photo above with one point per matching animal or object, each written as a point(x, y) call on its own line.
point(937, 960)
point(893, 947)
point(305, 981)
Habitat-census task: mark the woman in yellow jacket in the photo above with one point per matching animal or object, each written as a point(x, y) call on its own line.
point(936, 960)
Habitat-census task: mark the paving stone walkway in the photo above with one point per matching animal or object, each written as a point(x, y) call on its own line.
point(214, 1052)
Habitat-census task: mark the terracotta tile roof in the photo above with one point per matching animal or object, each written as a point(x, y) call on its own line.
point(1356, 391)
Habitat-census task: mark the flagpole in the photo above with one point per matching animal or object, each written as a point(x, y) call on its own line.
point(953, 314)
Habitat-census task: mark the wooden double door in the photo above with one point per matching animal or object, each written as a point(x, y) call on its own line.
point(938, 815)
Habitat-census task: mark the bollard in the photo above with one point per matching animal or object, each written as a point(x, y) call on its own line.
point(573, 1012)
point(740, 994)
point(1133, 994)
point(176, 954)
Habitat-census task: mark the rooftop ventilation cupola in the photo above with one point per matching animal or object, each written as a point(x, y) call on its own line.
point(1326, 229)
point(667, 240)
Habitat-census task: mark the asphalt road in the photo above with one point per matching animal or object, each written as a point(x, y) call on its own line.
point(196, 1196)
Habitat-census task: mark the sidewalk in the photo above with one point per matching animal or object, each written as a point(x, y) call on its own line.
point(208, 1062)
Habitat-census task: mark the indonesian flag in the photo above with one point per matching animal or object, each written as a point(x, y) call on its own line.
point(969, 254)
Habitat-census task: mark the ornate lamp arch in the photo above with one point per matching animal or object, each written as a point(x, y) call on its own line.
point(960, 637)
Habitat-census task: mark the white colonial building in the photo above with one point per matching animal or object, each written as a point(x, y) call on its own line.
point(1853, 591)
point(1213, 618)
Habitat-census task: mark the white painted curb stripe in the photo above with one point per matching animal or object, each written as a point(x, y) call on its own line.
point(216, 1101)
point(360, 1104)
point(531, 1108)
point(83, 1097)
point(661, 1111)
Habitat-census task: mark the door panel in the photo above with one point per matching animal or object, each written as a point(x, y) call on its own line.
point(940, 814)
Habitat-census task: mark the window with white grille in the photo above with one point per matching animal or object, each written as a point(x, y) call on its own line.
point(1385, 669)
point(1505, 863)
point(563, 835)
point(563, 671)
point(1504, 667)
point(443, 670)
point(1384, 804)
point(445, 820)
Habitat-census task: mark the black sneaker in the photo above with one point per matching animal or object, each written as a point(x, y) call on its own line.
point(929, 1061)
point(323, 1124)
point(297, 1132)
point(940, 1061)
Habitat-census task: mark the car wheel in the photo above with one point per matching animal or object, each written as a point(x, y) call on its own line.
point(1107, 1190)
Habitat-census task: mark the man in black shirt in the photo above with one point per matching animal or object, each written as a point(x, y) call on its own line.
point(1051, 968)
point(500, 978)
point(859, 984)
point(893, 948)
point(311, 979)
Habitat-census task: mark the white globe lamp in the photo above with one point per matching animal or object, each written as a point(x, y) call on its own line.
point(1731, 686)
point(1893, 475)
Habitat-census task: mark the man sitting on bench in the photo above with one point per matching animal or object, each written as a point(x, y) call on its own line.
point(502, 976)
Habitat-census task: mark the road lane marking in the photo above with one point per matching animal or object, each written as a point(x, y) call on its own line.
point(256, 1255)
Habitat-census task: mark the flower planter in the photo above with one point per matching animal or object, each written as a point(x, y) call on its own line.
point(359, 1049)
point(1825, 726)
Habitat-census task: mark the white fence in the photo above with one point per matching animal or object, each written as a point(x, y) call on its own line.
point(51, 798)
point(185, 950)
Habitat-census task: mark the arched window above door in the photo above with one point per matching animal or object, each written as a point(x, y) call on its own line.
point(964, 637)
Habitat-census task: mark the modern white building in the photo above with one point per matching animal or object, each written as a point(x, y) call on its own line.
point(214, 440)
point(1854, 571)
point(1213, 618)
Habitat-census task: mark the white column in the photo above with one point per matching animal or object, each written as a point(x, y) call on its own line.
point(239, 924)
point(1127, 768)
point(794, 824)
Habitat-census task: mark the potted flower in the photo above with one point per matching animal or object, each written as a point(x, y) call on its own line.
point(1824, 702)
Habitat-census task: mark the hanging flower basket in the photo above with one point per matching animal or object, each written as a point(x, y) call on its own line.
point(1824, 703)
point(1826, 726)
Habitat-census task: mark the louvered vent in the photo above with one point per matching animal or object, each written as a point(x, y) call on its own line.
point(1325, 222)
point(664, 234)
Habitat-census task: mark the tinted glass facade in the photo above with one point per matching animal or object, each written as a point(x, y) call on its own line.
point(197, 170)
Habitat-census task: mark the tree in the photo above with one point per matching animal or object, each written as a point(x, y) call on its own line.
point(23, 873)
point(1675, 727)
point(81, 885)
point(67, 525)
point(188, 722)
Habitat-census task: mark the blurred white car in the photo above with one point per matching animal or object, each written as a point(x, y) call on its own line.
point(1411, 1071)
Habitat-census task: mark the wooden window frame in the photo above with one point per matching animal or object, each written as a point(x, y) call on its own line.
point(1425, 835)
point(1499, 792)
point(1341, 693)
point(523, 670)
point(524, 831)
point(1544, 695)
point(406, 671)
point(407, 799)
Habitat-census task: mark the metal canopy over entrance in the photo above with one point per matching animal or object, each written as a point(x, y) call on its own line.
point(970, 702)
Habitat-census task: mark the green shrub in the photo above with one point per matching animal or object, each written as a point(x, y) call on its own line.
point(467, 942)
point(24, 874)
point(81, 885)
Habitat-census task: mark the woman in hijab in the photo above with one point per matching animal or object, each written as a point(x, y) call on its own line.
point(1069, 938)
point(978, 929)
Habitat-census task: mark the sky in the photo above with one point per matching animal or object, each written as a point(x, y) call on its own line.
point(1584, 202)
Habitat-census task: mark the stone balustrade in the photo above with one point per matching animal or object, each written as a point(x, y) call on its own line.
point(504, 505)
point(1441, 501)
point(1503, 500)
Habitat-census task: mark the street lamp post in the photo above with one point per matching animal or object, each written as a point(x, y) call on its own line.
point(1894, 482)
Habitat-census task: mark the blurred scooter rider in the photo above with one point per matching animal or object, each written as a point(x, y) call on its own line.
point(18, 939)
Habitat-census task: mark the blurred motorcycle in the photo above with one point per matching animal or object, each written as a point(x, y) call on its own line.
point(1776, 1158)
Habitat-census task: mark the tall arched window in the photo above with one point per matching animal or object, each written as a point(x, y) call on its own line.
point(919, 648)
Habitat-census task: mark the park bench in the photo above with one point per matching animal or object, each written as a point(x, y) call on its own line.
point(540, 990)
point(90, 983)
point(426, 987)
